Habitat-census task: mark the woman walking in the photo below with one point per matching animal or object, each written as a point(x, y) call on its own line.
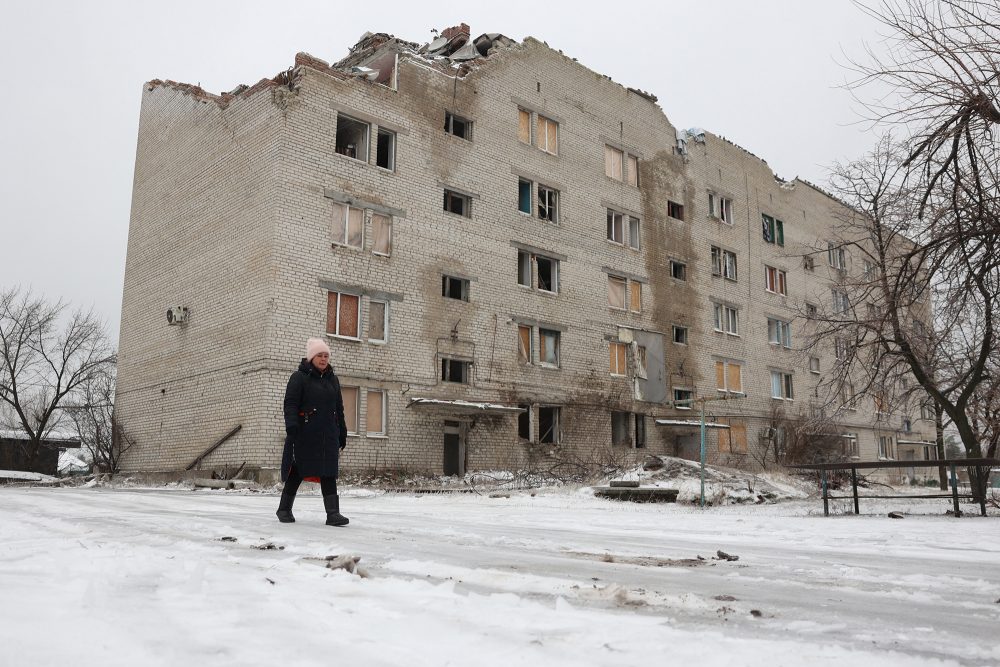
point(315, 432)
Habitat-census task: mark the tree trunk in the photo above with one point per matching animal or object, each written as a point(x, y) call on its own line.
point(942, 454)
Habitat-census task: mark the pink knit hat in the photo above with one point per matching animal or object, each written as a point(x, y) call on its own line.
point(314, 346)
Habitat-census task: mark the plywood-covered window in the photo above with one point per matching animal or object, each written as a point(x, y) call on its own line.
point(633, 171)
point(635, 297)
point(616, 292)
point(613, 162)
point(733, 440)
point(729, 376)
point(350, 397)
point(378, 320)
point(381, 234)
point(375, 415)
point(616, 365)
point(548, 135)
point(524, 351)
point(342, 314)
point(524, 126)
point(348, 225)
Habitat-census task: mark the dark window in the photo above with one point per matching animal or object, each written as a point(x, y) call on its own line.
point(352, 138)
point(680, 335)
point(620, 435)
point(460, 127)
point(524, 196)
point(548, 274)
point(675, 210)
point(457, 203)
point(548, 425)
point(772, 229)
point(682, 398)
point(678, 270)
point(385, 152)
point(640, 431)
point(455, 288)
point(453, 370)
point(524, 422)
point(548, 202)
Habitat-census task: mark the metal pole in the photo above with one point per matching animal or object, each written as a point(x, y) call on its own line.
point(703, 453)
point(854, 485)
point(826, 501)
point(954, 490)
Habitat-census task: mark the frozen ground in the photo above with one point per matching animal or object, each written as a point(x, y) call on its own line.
point(112, 576)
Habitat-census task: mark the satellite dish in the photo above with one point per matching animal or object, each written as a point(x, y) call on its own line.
point(438, 43)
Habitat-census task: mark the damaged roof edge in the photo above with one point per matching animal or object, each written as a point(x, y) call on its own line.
point(288, 78)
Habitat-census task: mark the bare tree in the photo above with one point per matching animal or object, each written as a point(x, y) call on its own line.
point(94, 416)
point(46, 355)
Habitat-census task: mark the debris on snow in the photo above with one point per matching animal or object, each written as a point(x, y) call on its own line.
point(722, 555)
point(346, 562)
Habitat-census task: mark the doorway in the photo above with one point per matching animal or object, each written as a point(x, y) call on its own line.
point(454, 449)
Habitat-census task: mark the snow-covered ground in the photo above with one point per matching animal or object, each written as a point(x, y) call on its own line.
point(137, 576)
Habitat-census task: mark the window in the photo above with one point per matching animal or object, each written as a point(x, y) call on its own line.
point(381, 234)
point(774, 280)
point(814, 364)
point(375, 416)
point(881, 406)
point(633, 232)
point(773, 229)
point(907, 425)
point(457, 203)
point(779, 332)
point(635, 296)
point(524, 422)
point(720, 207)
point(548, 347)
point(525, 353)
point(849, 445)
point(549, 431)
point(885, 447)
point(640, 361)
point(613, 162)
point(836, 256)
point(678, 270)
point(524, 196)
point(727, 319)
point(342, 314)
point(616, 363)
point(675, 210)
point(352, 138)
point(869, 269)
point(723, 263)
point(524, 126)
point(616, 292)
point(809, 263)
point(524, 268)
point(839, 349)
point(455, 370)
point(350, 398)
point(548, 135)
point(781, 385)
point(633, 172)
point(348, 225)
point(841, 304)
point(683, 398)
point(733, 440)
point(616, 232)
point(548, 201)
point(847, 395)
point(455, 288)
point(620, 436)
point(729, 376)
point(378, 321)
point(811, 311)
point(546, 271)
point(460, 127)
point(385, 150)
point(680, 335)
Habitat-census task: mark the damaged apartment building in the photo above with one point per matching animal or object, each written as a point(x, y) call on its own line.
point(513, 258)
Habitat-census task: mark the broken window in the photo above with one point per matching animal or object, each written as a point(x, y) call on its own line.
point(727, 319)
point(811, 311)
point(635, 297)
point(524, 126)
point(640, 361)
point(814, 364)
point(350, 398)
point(723, 263)
point(381, 234)
point(633, 171)
point(348, 225)
point(678, 270)
point(548, 135)
point(781, 385)
point(616, 292)
point(548, 344)
point(839, 349)
point(720, 207)
point(683, 398)
point(836, 256)
point(548, 273)
point(613, 162)
point(524, 422)
point(549, 431)
point(455, 370)
point(675, 210)
point(342, 314)
point(841, 303)
point(524, 351)
point(548, 202)
point(457, 203)
point(774, 280)
point(615, 227)
point(378, 321)
point(772, 229)
point(375, 415)
point(729, 376)
point(640, 431)
point(455, 288)
point(524, 268)
point(620, 436)
point(524, 196)
point(779, 332)
point(352, 137)
point(809, 263)
point(633, 232)
point(616, 365)
point(460, 127)
point(385, 149)
point(680, 335)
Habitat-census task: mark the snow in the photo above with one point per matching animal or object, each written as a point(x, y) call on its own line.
point(23, 476)
point(130, 575)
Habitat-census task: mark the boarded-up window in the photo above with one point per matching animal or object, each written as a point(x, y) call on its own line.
point(548, 135)
point(350, 396)
point(616, 232)
point(616, 365)
point(729, 376)
point(633, 232)
point(348, 225)
point(613, 163)
point(524, 344)
point(524, 126)
point(375, 414)
point(377, 317)
point(635, 297)
point(640, 361)
point(342, 314)
point(382, 233)
point(616, 292)
point(633, 170)
point(734, 439)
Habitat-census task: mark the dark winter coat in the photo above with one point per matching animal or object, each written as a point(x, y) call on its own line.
point(315, 429)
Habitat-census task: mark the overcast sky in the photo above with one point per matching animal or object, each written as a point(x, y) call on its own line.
point(765, 74)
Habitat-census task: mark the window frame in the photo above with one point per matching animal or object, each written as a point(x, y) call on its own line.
point(465, 287)
point(625, 301)
point(357, 408)
point(389, 225)
point(618, 353)
point(556, 425)
point(634, 232)
point(614, 216)
point(449, 124)
point(543, 123)
point(557, 347)
point(391, 154)
point(727, 364)
point(448, 366)
point(367, 139)
point(384, 433)
point(678, 270)
point(526, 356)
point(779, 333)
point(675, 210)
point(337, 333)
point(551, 204)
point(785, 384)
point(775, 280)
point(344, 241)
point(691, 396)
point(385, 322)
point(675, 328)
point(454, 195)
point(724, 316)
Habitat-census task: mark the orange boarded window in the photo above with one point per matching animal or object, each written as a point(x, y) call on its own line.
point(350, 395)
point(342, 314)
point(375, 416)
point(617, 358)
point(524, 126)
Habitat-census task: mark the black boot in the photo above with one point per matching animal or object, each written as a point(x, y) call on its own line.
point(333, 515)
point(285, 507)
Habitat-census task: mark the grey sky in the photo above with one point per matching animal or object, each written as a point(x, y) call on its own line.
point(764, 74)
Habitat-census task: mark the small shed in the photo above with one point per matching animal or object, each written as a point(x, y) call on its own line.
point(14, 451)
